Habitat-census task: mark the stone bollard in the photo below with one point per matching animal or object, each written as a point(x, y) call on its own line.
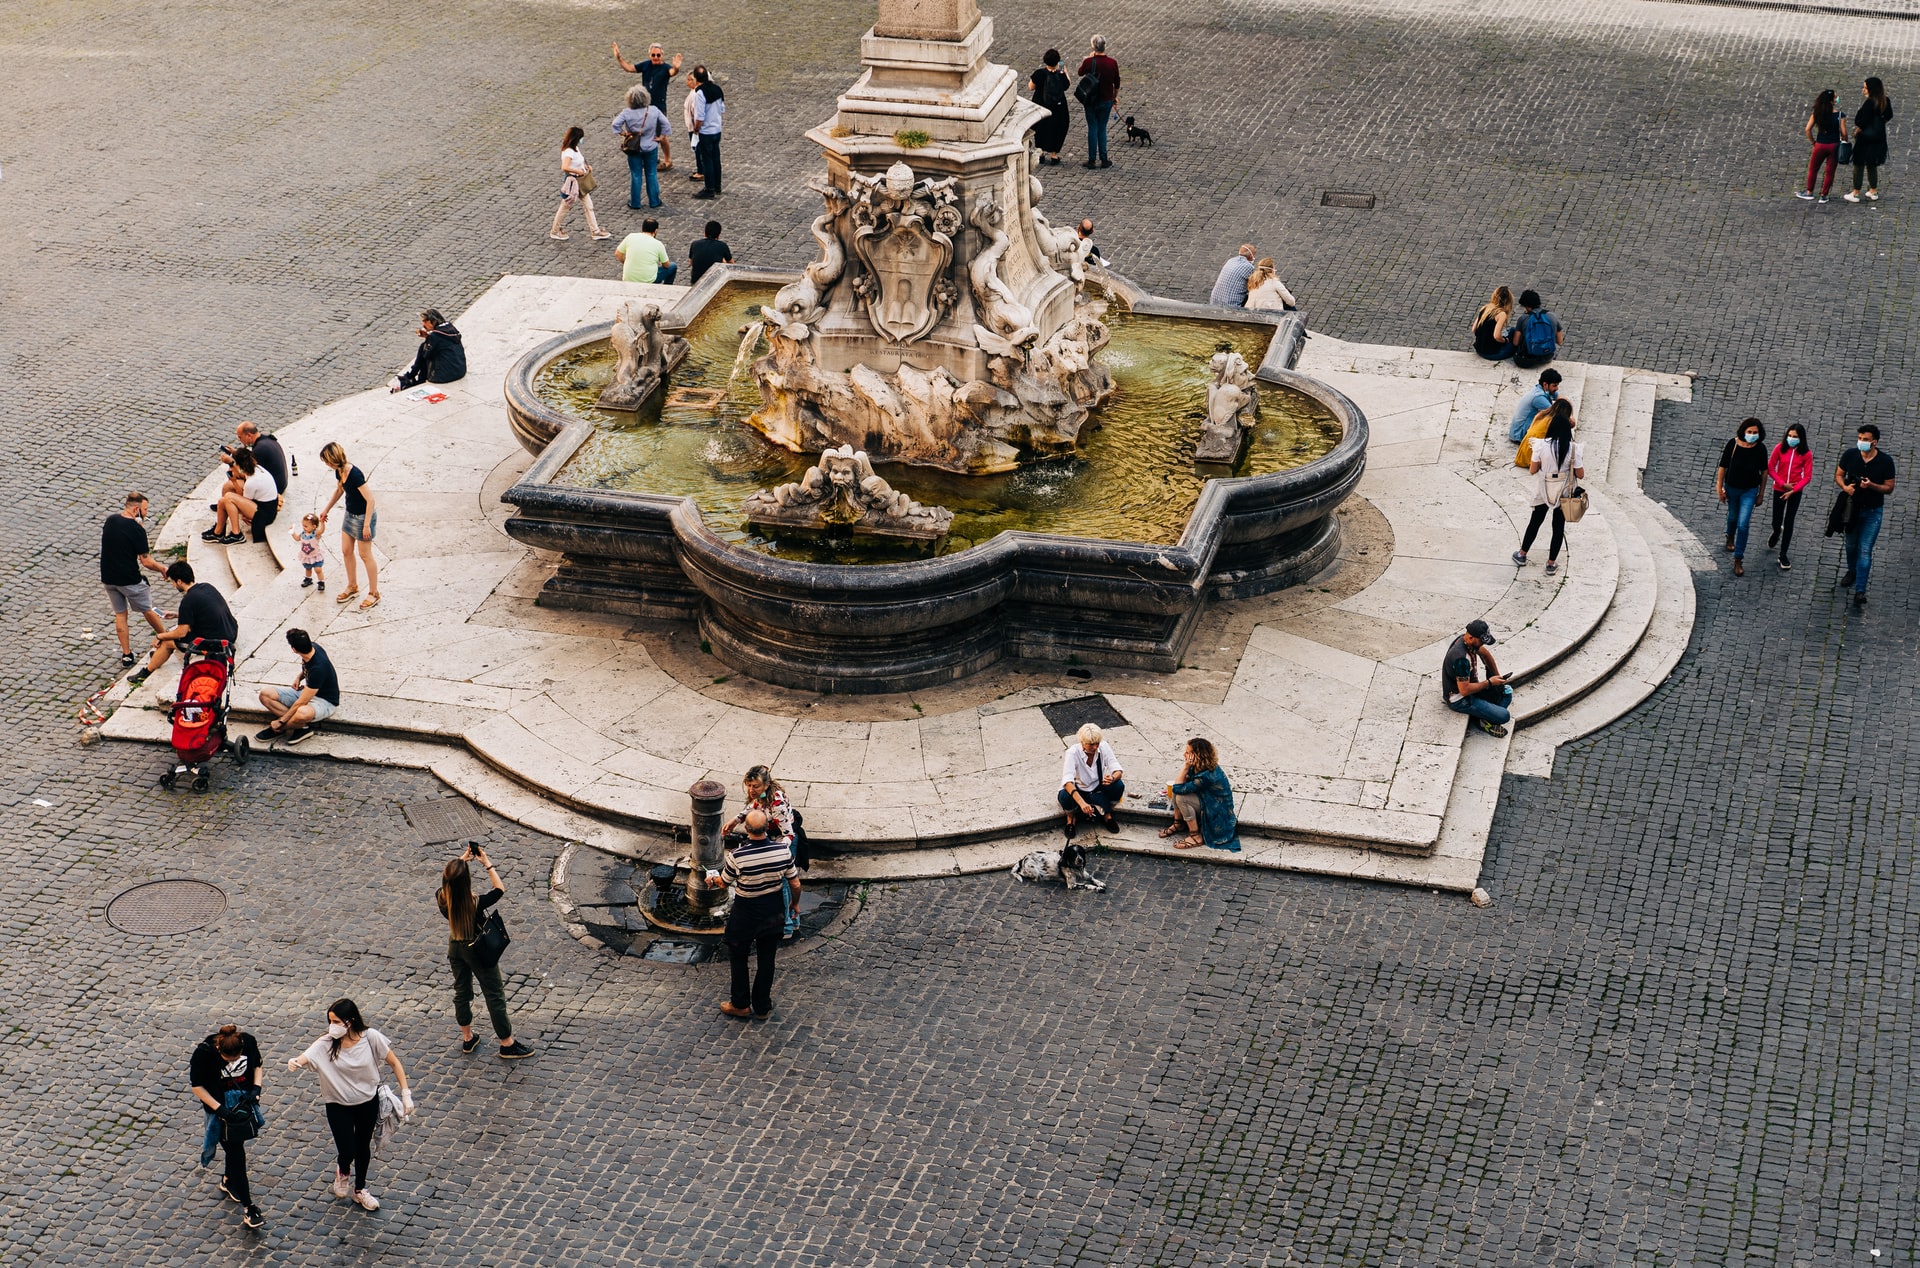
point(709, 805)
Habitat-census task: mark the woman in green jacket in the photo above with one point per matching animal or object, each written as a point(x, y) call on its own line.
point(1203, 802)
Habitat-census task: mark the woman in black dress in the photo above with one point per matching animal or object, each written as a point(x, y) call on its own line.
point(1870, 139)
point(1049, 88)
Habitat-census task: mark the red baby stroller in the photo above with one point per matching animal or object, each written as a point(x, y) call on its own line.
point(199, 713)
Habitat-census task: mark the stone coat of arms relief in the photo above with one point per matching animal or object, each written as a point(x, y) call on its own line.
point(903, 233)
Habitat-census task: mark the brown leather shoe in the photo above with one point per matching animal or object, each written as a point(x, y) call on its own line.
point(731, 1011)
point(1739, 566)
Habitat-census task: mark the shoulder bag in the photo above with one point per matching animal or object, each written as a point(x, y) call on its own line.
point(630, 141)
point(237, 1121)
point(587, 183)
point(490, 940)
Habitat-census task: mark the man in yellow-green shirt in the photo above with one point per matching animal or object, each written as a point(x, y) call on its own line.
point(643, 257)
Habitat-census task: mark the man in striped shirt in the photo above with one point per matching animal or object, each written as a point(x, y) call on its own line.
point(757, 869)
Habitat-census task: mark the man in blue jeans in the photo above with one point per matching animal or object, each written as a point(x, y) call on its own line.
point(1866, 475)
point(1099, 105)
point(1485, 700)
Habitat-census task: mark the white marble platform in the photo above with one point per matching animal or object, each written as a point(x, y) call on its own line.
point(1324, 702)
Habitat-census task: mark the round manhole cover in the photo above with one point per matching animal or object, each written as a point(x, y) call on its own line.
point(167, 907)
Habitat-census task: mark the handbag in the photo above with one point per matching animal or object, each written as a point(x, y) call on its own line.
point(490, 940)
point(587, 183)
point(630, 142)
point(1573, 506)
point(237, 1122)
point(1844, 155)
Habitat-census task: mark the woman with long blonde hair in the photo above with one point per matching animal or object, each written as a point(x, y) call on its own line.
point(356, 532)
point(1267, 292)
point(1493, 326)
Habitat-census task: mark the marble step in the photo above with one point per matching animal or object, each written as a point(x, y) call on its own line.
point(1532, 639)
point(1633, 432)
point(1619, 631)
point(1652, 661)
point(1597, 415)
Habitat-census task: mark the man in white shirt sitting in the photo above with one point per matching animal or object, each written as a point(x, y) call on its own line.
point(1091, 783)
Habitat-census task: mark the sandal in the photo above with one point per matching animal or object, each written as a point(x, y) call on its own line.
point(1173, 829)
point(371, 601)
point(1188, 844)
point(348, 595)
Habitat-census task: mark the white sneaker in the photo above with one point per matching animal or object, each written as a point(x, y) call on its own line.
point(1872, 197)
point(342, 1184)
point(366, 1199)
point(1852, 196)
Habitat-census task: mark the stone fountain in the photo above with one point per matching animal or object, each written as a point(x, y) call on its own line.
point(942, 324)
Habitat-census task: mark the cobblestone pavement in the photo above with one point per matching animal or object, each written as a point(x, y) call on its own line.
point(1681, 1035)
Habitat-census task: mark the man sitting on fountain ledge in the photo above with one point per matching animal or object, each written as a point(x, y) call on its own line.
point(1092, 783)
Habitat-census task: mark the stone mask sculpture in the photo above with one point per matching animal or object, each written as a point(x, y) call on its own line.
point(1233, 407)
point(647, 354)
point(842, 489)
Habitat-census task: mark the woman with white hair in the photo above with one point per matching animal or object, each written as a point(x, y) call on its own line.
point(1090, 781)
point(641, 128)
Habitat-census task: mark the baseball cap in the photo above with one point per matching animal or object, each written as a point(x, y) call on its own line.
point(1480, 631)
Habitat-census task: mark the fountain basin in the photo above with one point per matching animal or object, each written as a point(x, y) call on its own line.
point(906, 624)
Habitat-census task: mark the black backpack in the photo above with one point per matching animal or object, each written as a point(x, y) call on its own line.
point(1053, 93)
point(1088, 89)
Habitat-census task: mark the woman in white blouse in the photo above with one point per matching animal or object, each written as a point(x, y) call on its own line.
point(1265, 291)
point(576, 186)
point(348, 1059)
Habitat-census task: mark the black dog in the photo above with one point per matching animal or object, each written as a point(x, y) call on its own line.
point(1136, 135)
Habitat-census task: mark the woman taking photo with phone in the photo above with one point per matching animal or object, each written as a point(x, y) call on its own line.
point(464, 915)
point(348, 1058)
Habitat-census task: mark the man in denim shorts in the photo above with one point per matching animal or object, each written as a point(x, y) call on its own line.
point(311, 700)
point(124, 551)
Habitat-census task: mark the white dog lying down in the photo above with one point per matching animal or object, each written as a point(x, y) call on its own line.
point(1069, 864)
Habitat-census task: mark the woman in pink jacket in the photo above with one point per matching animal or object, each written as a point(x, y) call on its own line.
point(1791, 468)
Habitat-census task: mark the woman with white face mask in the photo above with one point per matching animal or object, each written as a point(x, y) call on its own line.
point(347, 1059)
point(1791, 469)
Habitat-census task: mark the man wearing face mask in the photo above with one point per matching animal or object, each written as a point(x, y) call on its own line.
point(1866, 476)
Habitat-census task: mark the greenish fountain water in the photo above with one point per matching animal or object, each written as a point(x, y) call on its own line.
point(1133, 478)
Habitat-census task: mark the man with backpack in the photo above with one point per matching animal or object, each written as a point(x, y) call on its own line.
point(1537, 335)
point(1097, 90)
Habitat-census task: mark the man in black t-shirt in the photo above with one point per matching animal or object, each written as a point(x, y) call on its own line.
point(1485, 700)
point(267, 451)
point(1866, 476)
point(656, 76)
point(708, 251)
point(203, 614)
point(314, 696)
point(124, 551)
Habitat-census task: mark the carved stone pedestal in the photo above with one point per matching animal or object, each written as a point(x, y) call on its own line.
point(940, 325)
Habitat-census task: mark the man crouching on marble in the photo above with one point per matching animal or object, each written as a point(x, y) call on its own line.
point(1091, 781)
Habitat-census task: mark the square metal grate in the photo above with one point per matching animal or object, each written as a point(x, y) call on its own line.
point(1067, 716)
point(445, 819)
point(1337, 198)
